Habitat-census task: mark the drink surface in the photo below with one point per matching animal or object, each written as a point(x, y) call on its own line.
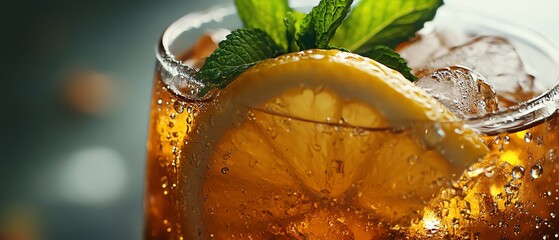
point(511, 193)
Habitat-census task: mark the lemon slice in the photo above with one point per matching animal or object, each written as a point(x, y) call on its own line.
point(319, 131)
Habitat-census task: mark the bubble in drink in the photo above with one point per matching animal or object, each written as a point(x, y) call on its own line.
point(464, 91)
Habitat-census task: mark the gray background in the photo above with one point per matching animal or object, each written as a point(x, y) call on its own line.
point(70, 175)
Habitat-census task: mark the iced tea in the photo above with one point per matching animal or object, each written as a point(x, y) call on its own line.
point(284, 176)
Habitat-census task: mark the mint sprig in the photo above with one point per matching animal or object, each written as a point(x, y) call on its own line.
point(320, 25)
point(384, 22)
point(391, 59)
point(273, 29)
point(242, 49)
point(267, 15)
point(292, 23)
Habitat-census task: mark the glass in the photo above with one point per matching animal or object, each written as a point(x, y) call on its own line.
point(512, 192)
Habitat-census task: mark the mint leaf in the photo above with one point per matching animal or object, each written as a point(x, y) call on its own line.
point(320, 25)
point(391, 59)
point(292, 23)
point(388, 22)
point(330, 47)
point(306, 36)
point(242, 49)
point(267, 15)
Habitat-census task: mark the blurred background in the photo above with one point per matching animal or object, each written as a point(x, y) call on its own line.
point(75, 99)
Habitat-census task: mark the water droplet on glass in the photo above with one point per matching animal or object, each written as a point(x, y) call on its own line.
point(179, 106)
point(516, 229)
point(518, 172)
point(224, 170)
point(497, 140)
point(251, 116)
point(553, 214)
point(489, 171)
point(528, 137)
point(164, 182)
point(536, 171)
point(506, 139)
point(159, 101)
point(273, 133)
point(539, 140)
point(510, 189)
point(412, 160)
point(551, 155)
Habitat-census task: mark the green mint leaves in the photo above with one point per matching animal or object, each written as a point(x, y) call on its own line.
point(320, 25)
point(273, 29)
point(242, 49)
point(391, 59)
point(384, 22)
point(267, 15)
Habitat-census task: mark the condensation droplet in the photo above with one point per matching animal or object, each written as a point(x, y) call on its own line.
point(251, 116)
point(510, 189)
point(528, 137)
point(412, 160)
point(159, 101)
point(516, 229)
point(489, 171)
point(164, 182)
point(518, 172)
point(179, 107)
point(506, 139)
point(536, 171)
point(273, 133)
point(551, 155)
point(539, 141)
point(497, 140)
point(224, 170)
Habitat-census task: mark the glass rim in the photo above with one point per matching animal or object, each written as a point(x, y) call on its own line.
point(512, 119)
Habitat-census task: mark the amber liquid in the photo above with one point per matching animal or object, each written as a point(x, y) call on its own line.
point(512, 193)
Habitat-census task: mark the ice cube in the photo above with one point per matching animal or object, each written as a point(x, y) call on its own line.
point(497, 60)
point(464, 91)
point(428, 44)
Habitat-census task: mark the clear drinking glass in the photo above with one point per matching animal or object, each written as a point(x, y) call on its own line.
point(512, 192)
